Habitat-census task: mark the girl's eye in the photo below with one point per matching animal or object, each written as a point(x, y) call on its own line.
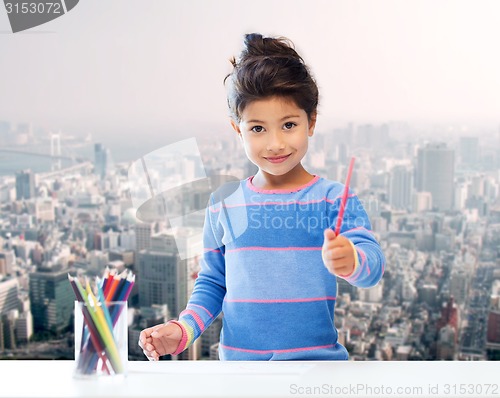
point(289, 125)
point(257, 129)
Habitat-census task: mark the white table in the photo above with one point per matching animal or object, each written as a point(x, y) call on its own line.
point(256, 379)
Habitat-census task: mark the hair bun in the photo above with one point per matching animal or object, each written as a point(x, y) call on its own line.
point(267, 67)
point(257, 45)
point(254, 44)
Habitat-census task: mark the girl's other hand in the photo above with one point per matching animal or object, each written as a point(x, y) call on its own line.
point(160, 340)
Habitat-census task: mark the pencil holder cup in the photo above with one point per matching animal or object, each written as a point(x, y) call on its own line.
point(101, 339)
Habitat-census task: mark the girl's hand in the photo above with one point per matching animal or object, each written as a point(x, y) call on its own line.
point(337, 254)
point(160, 340)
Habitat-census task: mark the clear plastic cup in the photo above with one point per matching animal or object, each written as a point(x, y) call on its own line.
point(101, 339)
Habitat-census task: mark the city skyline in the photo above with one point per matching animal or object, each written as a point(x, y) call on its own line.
point(438, 298)
point(129, 148)
point(386, 60)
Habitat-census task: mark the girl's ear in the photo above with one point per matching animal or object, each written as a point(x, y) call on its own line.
point(312, 123)
point(235, 126)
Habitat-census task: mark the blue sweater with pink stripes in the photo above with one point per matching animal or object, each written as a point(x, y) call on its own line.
point(262, 267)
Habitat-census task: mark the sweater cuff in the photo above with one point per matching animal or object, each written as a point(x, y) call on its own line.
point(182, 344)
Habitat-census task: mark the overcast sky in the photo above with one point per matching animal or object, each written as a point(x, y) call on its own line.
point(155, 64)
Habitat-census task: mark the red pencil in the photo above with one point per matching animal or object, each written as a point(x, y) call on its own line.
point(109, 282)
point(344, 197)
point(113, 287)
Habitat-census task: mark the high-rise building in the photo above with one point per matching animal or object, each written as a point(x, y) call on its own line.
point(143, 233)
point(400, 187)
point(435, 174)
point(493, 325)
point(162, 275)
point(52, 299)
point(459, 285)
point(493, 333)
point(15, 328)
point(342, 153)
point(9, 312)
point(9, 295)
point(25, 185)
point(428, 294)
point(7, 261)
point(469, 151)
point(449, 315)
point(24, 322)
point(8, 329)
point(102, 160)
point(446, 346)
point(460, 195)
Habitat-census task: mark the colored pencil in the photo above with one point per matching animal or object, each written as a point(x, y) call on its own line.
point(104, 280)
point(112, 289)
point(93, 333)
point(345, 195)
point(121, 282)
point(104, 307)
point(127, 288)
point(109, 281)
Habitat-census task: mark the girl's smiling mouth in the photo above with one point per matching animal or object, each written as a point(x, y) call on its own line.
point(278, 159)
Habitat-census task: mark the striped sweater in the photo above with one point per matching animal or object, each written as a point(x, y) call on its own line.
point(262, 267)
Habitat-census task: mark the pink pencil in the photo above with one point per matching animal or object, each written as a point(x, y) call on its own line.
point(344, 197)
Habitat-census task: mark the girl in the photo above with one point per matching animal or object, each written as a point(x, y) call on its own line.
point(272, 259)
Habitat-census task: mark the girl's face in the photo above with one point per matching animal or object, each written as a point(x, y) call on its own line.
point(275, 135)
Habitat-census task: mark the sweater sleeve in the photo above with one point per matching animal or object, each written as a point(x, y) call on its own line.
point(356, 226)
point(209, 289)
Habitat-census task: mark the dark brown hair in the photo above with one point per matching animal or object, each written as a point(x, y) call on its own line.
point(270, 67)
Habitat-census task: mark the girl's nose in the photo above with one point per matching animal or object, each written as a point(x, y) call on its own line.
point(276, 142)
